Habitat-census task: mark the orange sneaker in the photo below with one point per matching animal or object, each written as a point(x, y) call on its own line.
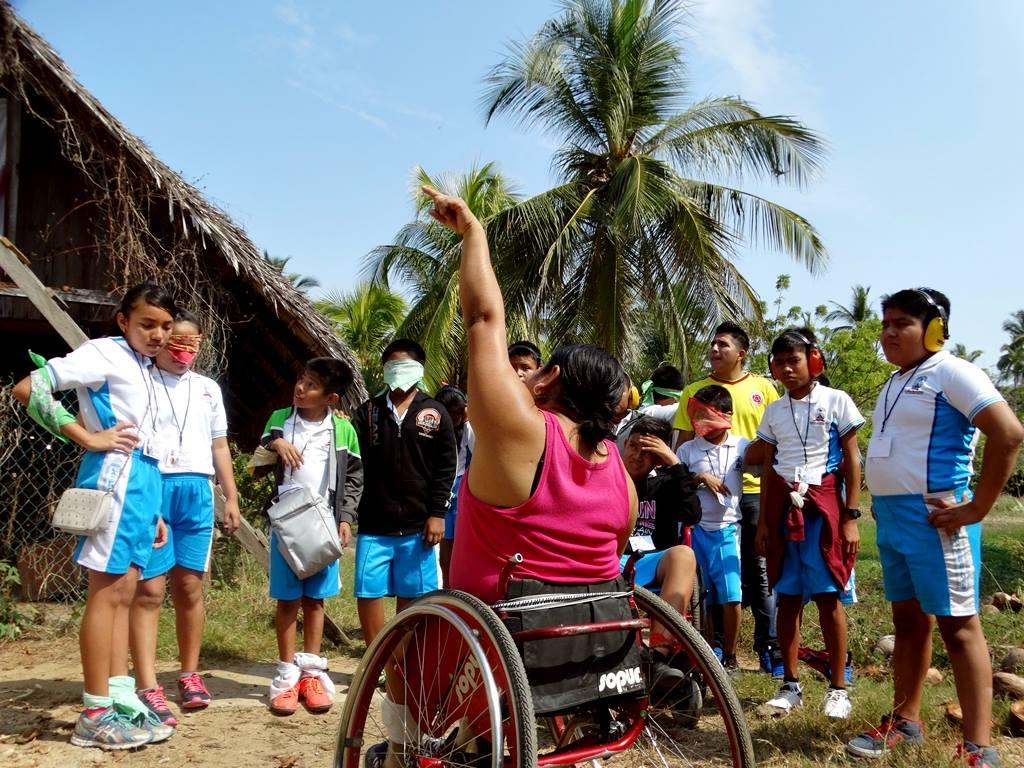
point(312, 693)
point(286, 703)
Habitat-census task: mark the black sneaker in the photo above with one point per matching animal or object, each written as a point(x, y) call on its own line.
point(664, 678)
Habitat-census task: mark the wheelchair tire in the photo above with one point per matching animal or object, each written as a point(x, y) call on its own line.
point(719, 736)
point(462, 655)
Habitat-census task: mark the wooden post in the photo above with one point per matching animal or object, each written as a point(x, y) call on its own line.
point(14, 263)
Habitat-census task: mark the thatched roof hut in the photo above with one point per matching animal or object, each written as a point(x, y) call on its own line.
point(96, 211)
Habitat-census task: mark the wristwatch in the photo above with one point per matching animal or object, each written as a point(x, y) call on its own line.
point(853, 513)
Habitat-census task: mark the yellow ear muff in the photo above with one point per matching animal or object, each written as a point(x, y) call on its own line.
point(935, 334)
point(634, 398)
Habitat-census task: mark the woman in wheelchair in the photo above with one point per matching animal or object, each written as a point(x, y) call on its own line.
point(545, 511)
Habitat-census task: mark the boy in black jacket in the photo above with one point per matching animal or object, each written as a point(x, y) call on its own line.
point(409, 454)
point(668, 499)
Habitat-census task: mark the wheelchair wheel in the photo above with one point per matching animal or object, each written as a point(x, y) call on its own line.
point(700, 722)
point(466, 699)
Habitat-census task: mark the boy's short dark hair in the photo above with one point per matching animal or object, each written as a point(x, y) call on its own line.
point(738, 334)
point(799, 339)
point(334, 375)
point(451, 397)
point(525, 349)
point(667, 377)
point(910, 301)
point(648, 425)
point(716, 396)
point(412, 348)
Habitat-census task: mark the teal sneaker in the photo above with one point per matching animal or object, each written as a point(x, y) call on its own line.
point(159, 730)
point(109, 731)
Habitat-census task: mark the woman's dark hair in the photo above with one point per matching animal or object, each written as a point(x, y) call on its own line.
point(525, 349)
point(451, 397)
point(591, 386)
point(412, 348)
point(188, 316)
point(150, 293)
point(648, 425)
point(335, 376)
point(716, 396)
point(667, 377)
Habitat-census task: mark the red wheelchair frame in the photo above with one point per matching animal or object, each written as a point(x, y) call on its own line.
point(467, 702)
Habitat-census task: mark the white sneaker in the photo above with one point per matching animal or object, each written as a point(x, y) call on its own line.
point(789, 696)
point(837, 704)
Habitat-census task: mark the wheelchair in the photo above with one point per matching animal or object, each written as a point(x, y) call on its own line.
point(459, 671)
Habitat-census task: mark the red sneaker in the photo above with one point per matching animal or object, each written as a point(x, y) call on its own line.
point(286, 703)
point(312, 693)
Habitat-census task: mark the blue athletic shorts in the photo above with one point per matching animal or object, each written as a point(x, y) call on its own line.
point(645, 572)
point(188, 514)
point(449, 516)
point(394, 566)
point(942, 572)
point(718, 557)
point(285, 585)
point(804, 571)
point(128, 539)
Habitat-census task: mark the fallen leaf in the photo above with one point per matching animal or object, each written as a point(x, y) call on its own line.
point(287, 761)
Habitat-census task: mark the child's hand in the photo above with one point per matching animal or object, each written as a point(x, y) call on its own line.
point(232, 517)
point(761, 541)
point(433, 531)
point(117, 438)
point(161, 533)
point(713, 484)
point(951, 516)
point(851, 538)
point(291, 457)
point(345, 534)
point(658, 449)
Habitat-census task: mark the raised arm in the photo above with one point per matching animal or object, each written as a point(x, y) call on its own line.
point(506, 421)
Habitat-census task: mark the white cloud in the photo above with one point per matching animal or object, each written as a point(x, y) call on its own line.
point(738, 35)
point(348, 35)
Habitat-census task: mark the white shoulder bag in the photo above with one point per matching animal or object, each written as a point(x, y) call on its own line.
point(303, 524)
point(86, 511)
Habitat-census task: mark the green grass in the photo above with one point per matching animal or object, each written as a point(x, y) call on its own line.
point(240, 628)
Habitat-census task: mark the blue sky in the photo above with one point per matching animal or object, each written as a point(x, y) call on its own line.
point(304, 120)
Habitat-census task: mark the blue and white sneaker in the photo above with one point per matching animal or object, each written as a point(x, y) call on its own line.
point(158, 730)
point(109, 731)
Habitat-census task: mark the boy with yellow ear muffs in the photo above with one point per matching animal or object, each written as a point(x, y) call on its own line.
point(919, 472)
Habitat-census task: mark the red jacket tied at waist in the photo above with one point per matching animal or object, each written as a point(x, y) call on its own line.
point(785, 522)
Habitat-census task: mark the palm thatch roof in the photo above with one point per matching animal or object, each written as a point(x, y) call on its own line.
point(31, 70)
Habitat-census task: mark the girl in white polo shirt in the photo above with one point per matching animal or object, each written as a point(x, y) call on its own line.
point(119, 414)
point(193, 427)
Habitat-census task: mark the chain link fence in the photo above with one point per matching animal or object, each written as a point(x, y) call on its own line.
point(35, 469)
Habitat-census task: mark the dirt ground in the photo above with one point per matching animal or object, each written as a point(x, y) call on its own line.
point(40, 697)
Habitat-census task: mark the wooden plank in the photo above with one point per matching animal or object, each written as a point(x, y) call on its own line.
point(14, 263)
point(68, 295)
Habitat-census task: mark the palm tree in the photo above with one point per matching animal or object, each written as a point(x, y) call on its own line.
point(302, 283)
point(959, 350)
point(425, 257)
point(1011, 362)
point(644, 217)
point(857, 312)
point(365, 318)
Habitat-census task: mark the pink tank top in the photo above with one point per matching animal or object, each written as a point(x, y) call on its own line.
point(567, 531)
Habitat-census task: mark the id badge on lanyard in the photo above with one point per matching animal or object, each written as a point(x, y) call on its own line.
point(880, 446)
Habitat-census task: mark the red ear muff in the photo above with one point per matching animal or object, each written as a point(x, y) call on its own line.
point(815, 361)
